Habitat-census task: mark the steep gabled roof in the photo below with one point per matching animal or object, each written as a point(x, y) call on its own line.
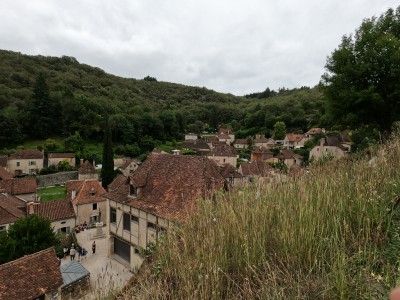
point(4, 174)
point(11, 209)
point(128, 162)
point(222, 149)
point(241, 142)
point(288, 154)
point(31, 276)
point(225, 131)
point(118, 181)
point(196, 144)
point(314, 131)
point(27, 154)
point(171, 184)
point(228, 171)
point(87, 168)
point(55, 210)
point(261, 150)
point(87, 191)
point(19, 186)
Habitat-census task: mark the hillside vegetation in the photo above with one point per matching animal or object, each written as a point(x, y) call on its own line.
point(331, 234)
point(42, 97)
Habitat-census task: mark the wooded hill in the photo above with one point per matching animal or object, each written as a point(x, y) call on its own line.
point(44, 96)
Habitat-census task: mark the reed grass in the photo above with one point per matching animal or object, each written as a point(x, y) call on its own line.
point(332, 233)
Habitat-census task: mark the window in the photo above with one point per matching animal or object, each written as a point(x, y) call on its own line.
point(18, 164)
point(32, 163)
point(137, 251)
point(132, 190)
point(135, 219)
point(94, 206)
point(93, 219)
point(63, 222)
point(127, 223)
point(113, 215)
point(2, 228)
point(151, 225)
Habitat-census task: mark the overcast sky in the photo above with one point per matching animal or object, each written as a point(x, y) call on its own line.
point(233, 46)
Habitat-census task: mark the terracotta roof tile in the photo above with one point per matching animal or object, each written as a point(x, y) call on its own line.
point(288, 154)
point(11, 209)
point(292, 137)
point(31, 276)
point(227, 170)
point(87, 168)
point(171, 184)
point(19, 186)
point(314, 131)
point(241, 142)
point(224, 131)
point(61, 155)
point(4, 174)
point(118, 181)
point(256, 168)
point(128, 162)
point(223, 150)
point(27, 154)
point(196, 145)
point(55, 210)
point(87, 191)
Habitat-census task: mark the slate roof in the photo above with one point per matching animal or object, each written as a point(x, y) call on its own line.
point(11, 209)
point(30, 276)
point(61, 155)
point(87, 168)
point(4, 174)
point(55, 210)
point(27, 154)
point(84, 190)
point(3, 160)
point(255, 168)
point(72, 272)
point(19, 186)
point(171, 184)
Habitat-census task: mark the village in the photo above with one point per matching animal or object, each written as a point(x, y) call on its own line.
point(137, 208)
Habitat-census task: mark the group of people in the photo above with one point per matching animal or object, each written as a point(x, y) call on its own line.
point(81, 251)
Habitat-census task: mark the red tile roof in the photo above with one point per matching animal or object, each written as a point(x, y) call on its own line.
point(27, 154)
point(228, 171)
point(292, 137)
point(314, 131)
point(87, 191)
point(223, 150)
point(11, 209)
point(288, 154)
point(31, 276)
point(261, 150)
point(171, 184)
point(61, 155)
point(196, 145)
point(241, 142)
point(256, 168)
point(128, 162)
point(19, 186)
point(55, 210)
point(4, 174)
point(87, 168)
point(224, 131)
point(118, 181)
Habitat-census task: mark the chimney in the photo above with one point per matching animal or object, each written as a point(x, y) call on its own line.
point(31, 210)
point(73, 195)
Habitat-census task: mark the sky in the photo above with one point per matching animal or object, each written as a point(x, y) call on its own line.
point(234, 46)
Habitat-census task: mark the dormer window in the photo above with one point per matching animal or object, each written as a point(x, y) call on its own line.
point(132, 191)
point(93, 192)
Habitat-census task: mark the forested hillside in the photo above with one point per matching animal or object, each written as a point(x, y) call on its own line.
point(43, 96)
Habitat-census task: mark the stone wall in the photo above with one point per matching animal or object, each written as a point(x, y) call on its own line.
point(56, 178)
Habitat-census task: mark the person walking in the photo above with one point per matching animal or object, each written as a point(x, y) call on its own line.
point(72, 252)
point(94, 247)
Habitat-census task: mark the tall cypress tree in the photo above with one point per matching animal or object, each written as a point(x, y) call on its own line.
point(107, 171)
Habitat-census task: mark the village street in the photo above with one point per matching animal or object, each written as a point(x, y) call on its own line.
point(106, 275)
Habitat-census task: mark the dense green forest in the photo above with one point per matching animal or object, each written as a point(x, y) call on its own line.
point(42, 97)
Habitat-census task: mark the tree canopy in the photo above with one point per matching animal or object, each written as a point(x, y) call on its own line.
point(362, 83)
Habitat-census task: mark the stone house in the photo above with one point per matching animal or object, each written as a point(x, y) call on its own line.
point(231, 175)
point(60, 213)
point(22, 188)
point(260, 153)
point(34, 276)
point(289, 158)
point(255, 170)
point(129, 166)
point(261, 141)
point(88, 201)
point(226, 135)
point(241, 144)
point(11, 209)
point(313, 132)
point(222, 154)
point(294, 141)
point(25, 161)
point(163, 190)
point(55, 158)
point(334, 146)
point(87, 171)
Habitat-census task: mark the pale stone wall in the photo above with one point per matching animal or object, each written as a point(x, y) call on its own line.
point(71, 223)
point(85, 211)
point(27, 166)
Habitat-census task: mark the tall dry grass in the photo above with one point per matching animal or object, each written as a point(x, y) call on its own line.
point(330, 234)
